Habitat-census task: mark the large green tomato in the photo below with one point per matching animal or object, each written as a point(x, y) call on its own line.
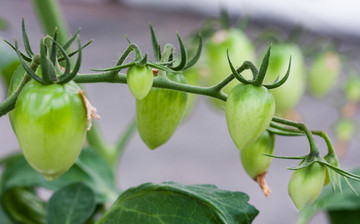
point(140, 80)
point(160, 112)
point(50, 123)
point(289, 94)
point(254, 161)
point(305, 184)
point(240, 50)
point(249, 110)
point(323, 73)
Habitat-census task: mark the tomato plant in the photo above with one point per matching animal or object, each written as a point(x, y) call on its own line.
point(50, 115)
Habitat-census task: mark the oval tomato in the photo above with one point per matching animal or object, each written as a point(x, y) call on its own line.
point(305, 184)
point(160, 112)
point(345, 129)
point(50, 123)
point(351, 88)
point(240, 50)
point(140, 80)
point(289, 94)
point(249, 110)
point(323, 73)
point(253, 160)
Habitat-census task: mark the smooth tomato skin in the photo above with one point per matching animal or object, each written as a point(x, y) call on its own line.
point(290, 93)
point(324, 73)
point(240, 50)
point(140, 80)
point(50, 123)
point(252, 157)
point(305, 184)
point(249, 110)
point(160, 112)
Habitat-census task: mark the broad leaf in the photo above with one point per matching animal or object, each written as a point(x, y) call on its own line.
point(174, 203)
point(72, 204)
point(90, 169)
point(336, 204)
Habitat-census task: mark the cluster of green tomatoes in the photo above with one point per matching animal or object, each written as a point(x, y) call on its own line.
point(52, 114)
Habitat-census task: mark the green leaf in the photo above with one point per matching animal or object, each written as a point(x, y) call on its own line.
point(334, 203)
point(174, 203)
point(23, 206)
point(90, 169)
point(344, 216)
point(72, 204)
point(4, 218)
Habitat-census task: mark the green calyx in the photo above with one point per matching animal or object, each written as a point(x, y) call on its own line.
point(51, 53)
point(258, 75)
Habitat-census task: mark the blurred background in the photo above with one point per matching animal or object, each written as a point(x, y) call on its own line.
point(201, 150)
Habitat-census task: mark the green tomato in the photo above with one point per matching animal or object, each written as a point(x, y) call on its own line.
point(253, 160)
point(305, 184)
point(50, 123)
point(8, 62)
point(345, 129)
point(140, 80)
point(249, 110)
point(352, 88)
point(289, 94)
point(324, 73)
point(240, 50)
point(160, 112)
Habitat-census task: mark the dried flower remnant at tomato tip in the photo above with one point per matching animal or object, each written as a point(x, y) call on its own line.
point(90, 110)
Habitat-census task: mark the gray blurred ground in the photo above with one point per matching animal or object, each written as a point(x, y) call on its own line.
point(201, 150)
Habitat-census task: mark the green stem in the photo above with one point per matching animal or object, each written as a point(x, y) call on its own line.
point(95, 140)
point(50, 16)
point(125, 138)
point(159, 82)
point(326, 138)
point(302, 127)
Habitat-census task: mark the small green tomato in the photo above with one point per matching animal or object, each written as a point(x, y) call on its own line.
point(305, 184)
point(140, 80)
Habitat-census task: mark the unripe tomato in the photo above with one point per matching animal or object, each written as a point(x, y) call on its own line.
point(160, 112)
point(305, 184)
point(8, 62)
point(352, 88)
point(240, 50)
point(140, 80)
point(323, 73)
point(249, 110)
point(50, 123)
point(253, 159)
point(289, 94)
point(345, 129)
